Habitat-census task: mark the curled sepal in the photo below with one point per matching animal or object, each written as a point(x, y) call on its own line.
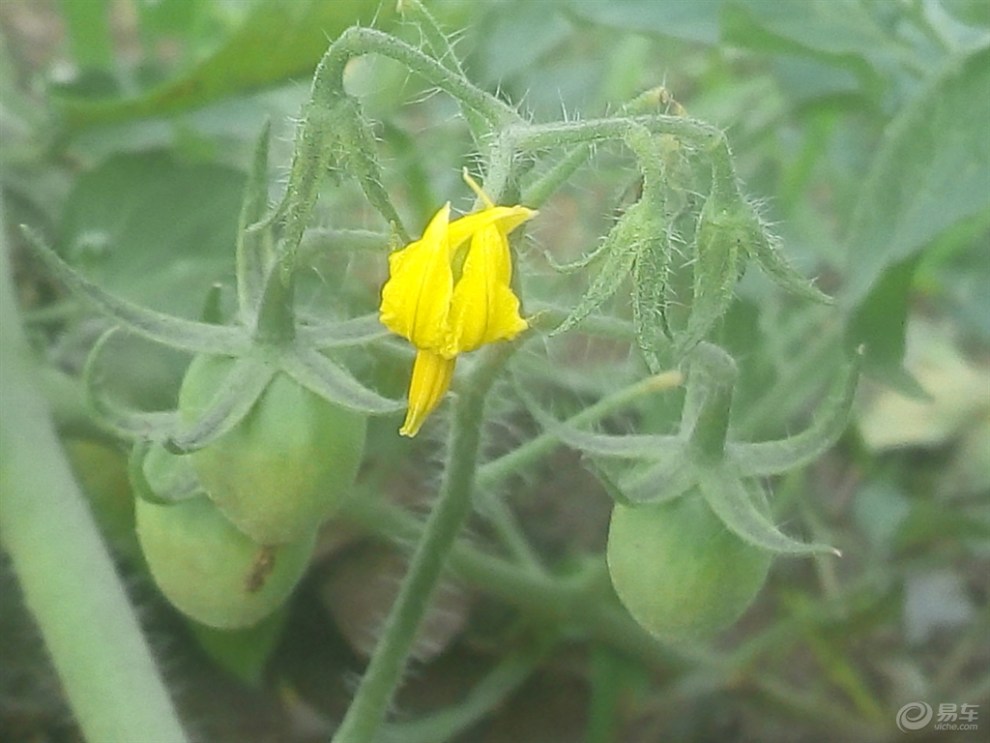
point(742, 508)
point(622, 244)
point(358, 141)
point(580, 263)
point(772, 457)
point(763, 247)
point(234, 399)
point(126, 423)
point(174, 332)
point(255, 252)
point(649, 300)
point(668, 476)
point(317, 148)
point(353, 332)
point(158, 476)
point(317, 373)
point(716, 270)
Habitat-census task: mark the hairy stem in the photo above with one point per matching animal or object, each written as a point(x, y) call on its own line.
point(367, 712)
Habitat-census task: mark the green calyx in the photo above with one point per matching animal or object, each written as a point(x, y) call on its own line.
point(726, 236)
point(287, 463)
point(704, 460)
point(266, 338)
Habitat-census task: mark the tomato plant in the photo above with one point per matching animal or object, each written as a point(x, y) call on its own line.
point(677, 568)
point(210, 570)
point(283, 469)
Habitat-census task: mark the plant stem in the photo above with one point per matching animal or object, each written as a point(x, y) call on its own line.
point(574, 602)
point(374, 694)
point(497, 511)
point(478, 703)
point(68, 578)
point(540, 445)
point(533, 137)
point(356, 41)
point(441, 47)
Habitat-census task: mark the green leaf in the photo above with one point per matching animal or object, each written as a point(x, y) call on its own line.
point(277, 40)
point(88, 24)
point(932, 169)
point(154, 230)
point(696, 21)
point(735, 504)
point(170, 331)
point(879, 325)
point(846, 33)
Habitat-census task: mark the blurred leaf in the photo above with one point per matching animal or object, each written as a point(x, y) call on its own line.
point(691, 21)
point(932, 170)
point(969, 471)
point(962, 24)
point(879, 508)
point(88, 25)
point(515, 38)
point(803, 79)
point(956, 270)
point(845, 33)
point(152, 230)
point(880, 323)
point(934, 600)
point(930, 522)
point(277, 40)
point(958, 391)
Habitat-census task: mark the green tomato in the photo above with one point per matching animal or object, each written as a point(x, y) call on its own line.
point(287, 466)
point(212, 572)
point(678, 570)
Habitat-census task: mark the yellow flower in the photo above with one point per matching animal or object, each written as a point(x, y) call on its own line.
point(449, 293)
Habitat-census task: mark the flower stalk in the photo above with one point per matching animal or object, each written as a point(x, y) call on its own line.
point(367, 711)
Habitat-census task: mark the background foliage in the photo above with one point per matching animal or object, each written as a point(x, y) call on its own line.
point(127, 129)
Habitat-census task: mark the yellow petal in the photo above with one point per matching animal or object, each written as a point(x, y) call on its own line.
point(431, 375)
point(505, 218)
point(416, 297)
point(484, 308)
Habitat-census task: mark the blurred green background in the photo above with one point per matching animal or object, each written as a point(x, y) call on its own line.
point(126, 128)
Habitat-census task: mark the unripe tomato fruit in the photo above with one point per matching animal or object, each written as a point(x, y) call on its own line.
point(211, 571)
point(283, 469)
point(678, 570)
